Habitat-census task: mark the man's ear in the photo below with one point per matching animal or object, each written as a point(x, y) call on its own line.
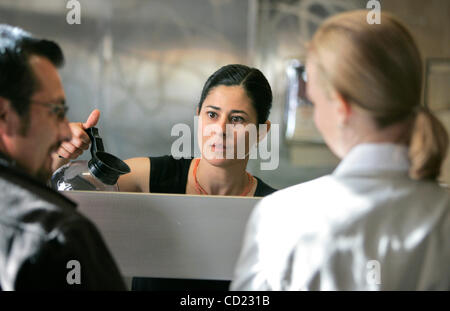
point(263, 134)
point(197, 111)
point(8, 117)
point(4, 111)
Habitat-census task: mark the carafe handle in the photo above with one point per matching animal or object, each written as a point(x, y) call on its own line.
point(96, 141)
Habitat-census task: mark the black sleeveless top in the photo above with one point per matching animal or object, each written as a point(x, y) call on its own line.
point(170, 175)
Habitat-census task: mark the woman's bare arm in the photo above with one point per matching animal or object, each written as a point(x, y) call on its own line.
point(138, 180)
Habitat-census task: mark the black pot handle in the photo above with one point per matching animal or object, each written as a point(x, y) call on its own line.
point(96, 141)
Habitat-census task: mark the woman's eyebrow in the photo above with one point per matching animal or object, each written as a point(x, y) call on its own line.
point(232, 111)
point(213, 107)
point(239, 111)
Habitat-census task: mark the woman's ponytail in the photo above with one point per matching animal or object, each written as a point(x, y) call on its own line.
point(428, 146)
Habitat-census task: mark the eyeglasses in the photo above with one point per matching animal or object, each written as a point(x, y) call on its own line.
point(58, 108)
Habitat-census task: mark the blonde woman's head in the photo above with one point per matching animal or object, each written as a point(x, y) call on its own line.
point(366, 82)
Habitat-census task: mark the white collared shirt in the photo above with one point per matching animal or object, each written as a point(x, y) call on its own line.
point(367, 226)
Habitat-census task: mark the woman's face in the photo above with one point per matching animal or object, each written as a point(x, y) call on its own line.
point(223, 118)
point(325, 112)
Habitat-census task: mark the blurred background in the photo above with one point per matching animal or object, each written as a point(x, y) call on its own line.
point(143, 63)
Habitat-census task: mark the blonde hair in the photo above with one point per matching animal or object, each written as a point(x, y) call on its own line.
point(378, 68)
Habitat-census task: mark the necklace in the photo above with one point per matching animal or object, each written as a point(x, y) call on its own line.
point(200, 189)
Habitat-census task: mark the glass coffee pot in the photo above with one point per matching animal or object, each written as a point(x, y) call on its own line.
point(100, 173)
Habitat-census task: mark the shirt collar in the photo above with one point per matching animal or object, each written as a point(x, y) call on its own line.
point(371, 158)
point(14, 174)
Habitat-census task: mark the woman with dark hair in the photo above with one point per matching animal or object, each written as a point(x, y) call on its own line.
point(234, 95)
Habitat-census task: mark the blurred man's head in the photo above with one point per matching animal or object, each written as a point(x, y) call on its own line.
point(32, 101)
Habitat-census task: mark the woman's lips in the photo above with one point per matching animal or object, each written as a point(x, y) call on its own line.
point(218, 147)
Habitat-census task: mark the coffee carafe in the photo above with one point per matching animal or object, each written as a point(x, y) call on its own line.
point(100, 173)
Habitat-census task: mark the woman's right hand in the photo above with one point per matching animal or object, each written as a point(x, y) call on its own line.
point(136, 181)
point(80, 140)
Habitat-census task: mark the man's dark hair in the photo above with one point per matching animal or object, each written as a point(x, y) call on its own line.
point(17, 80)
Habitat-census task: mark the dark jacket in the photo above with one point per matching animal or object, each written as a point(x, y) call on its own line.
point(44, 241)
